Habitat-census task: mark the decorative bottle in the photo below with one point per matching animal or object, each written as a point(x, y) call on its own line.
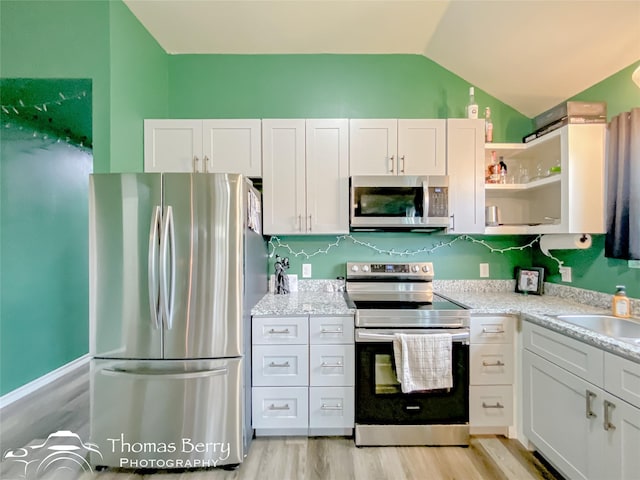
point(472, 106)
point(621, 305)
point(488, 126)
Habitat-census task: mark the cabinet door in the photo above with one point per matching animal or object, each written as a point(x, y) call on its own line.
point(555, 410)
point(283, 194)
point(327, 176)
point(233, 146)
point(621, 454)
point(373, 147)
point(172, 145)
point(422, 147)
point(465, 166)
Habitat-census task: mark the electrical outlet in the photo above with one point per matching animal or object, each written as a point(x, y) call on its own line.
point(634, 263)
point(306, 270)
point(565, 274)
point(484, 270)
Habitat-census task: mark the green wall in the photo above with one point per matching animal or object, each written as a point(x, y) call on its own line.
point(590, 268)
point(327, 86)
point(100, 41)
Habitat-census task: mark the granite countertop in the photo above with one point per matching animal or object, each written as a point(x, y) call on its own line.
point(302, 303)
point(537, 309)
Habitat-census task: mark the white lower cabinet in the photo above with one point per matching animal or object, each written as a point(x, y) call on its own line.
point(585, 431)
point(491, 374)
point(303, 375)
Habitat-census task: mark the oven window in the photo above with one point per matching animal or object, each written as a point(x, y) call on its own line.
point(386, 380)
point(388, 201)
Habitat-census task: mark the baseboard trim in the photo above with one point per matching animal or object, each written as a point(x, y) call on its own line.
point(43, 381)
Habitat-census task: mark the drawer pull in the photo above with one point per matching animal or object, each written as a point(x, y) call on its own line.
point(280, 365)
point(331, 407)
point(329, 330)
point(276, 407)
point(273, 331)
point(495, 364)
point(489, 330)
point(331, 365)
point(497, 405)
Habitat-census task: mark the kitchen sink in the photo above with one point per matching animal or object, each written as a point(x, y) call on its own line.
point(623, 329)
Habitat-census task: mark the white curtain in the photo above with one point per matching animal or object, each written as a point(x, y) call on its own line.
point(623, 187)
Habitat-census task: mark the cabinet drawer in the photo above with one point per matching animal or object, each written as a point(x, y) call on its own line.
point(280, 365)
point(280, 407)
point(490, 406)
point(331, 365)
point(491, 364)
point(279, 330)
point(331, 407)
point(622, 378)
point(492, 329)
point(585, 361)
point(330, 330)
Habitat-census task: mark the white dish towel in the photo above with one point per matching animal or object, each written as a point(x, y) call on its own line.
point(423, 361)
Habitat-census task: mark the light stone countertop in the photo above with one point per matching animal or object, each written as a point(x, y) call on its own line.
point(497, 300)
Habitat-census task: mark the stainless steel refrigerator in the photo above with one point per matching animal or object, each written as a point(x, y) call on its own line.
point(177, 260)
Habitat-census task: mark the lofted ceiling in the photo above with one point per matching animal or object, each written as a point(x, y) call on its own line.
point(529, 54)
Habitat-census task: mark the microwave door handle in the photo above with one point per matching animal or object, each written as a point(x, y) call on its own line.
point(425, 206)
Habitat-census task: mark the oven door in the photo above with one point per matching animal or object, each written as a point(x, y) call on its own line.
point(379, 399)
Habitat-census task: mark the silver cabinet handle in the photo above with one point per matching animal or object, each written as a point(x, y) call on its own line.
point(273, 331)
point(299, 223)
point(497, 405)
point(154, 281)
point(331, 365)
point(496, 364)
point(195, 164)
point(608, 406)
point(327, 330)
point(280, 365)
point(276, 407)
point(205, 168)
point(402, 160)
point(309, 223)
point(488, 330)
point(391, 163)
point(324, 406)
point(589, 412)
point(453, 222)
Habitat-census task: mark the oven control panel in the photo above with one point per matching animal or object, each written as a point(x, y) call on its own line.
point(417, 270)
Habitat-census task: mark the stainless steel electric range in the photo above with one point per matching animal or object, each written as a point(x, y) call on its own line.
point(392, 298)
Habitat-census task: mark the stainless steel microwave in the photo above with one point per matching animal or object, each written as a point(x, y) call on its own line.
point(399, 202)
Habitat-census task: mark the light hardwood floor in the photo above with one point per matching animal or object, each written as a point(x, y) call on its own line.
point(66, 406)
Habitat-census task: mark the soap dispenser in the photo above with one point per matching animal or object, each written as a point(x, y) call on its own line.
point(621, 305)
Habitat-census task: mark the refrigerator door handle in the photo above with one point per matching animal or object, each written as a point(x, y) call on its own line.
point(168, 268)
point(116, 372)
point(154, 286)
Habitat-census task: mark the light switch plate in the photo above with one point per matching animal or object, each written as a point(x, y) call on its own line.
point(306, 270)
point(484, 270)
point(634, 263)
point(565, 274)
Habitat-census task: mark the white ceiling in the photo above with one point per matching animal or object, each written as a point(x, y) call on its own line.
point(530, 54)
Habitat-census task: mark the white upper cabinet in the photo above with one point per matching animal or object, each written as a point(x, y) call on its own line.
point(465, 167)
point(233, 146)
point(305, 176)
point(172, 145)
point(397, 147)
point(219, 145)
point(564, 188)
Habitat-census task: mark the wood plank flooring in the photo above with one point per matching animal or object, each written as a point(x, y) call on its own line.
point(274, 458)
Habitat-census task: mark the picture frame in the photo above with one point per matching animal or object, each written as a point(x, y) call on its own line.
point(529, 280)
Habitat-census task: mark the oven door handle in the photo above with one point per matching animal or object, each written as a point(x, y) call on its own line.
point(462, 337)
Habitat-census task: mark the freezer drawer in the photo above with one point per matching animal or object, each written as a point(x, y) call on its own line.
point(166, 413)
